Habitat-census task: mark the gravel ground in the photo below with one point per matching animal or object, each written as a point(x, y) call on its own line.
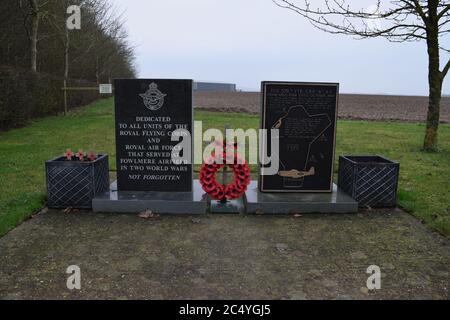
point(224, 257)
point(367, 107)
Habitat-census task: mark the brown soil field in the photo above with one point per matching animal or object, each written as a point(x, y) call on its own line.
point(351, 106)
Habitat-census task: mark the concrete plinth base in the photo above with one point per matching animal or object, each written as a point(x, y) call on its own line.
point(158, 202)
point(291, 203)
point(197, 202)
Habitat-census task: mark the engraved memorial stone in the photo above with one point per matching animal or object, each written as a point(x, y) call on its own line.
point(147, 114)
point(305, 115)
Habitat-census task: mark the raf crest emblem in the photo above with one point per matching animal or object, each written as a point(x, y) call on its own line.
point(153, 98)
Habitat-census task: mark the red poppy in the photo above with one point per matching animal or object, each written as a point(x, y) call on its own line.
point(68, 155)
point(80, 155)
point(92, 156)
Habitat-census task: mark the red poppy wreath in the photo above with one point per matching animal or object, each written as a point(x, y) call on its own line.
point(219, 191)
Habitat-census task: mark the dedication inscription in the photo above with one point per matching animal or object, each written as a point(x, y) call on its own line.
point(305, 115)
point(148, 111)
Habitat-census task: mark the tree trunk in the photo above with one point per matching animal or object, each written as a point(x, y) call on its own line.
point(34, 34)
point(97, 74)
point(435, 85)
point(66, 54)
point(434, 106)
point(66, 68)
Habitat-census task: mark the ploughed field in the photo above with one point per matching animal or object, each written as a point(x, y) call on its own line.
point(351, 106)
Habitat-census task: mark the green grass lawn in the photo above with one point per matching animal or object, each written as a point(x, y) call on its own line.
point(424, 182)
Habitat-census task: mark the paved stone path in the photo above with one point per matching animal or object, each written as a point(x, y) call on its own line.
point(224, 257)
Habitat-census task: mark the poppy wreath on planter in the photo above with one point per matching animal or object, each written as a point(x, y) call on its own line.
point(219, 191)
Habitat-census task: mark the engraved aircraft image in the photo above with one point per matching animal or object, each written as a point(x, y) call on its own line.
point(295, 174)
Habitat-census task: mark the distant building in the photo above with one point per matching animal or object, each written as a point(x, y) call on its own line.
point(214, 86)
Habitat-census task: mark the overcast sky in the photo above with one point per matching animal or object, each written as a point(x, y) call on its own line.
point(247, 41)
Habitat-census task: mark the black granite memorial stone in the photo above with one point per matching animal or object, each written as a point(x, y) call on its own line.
point(147, 113)
point(305, 115)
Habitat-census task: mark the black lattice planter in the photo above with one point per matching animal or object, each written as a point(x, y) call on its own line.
point(73, 184)
point(370, 180)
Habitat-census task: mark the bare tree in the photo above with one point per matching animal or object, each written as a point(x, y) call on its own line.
point(32, 12)
point(33, 35)
point(398, 21)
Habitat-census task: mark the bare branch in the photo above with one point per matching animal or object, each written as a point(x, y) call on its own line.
point(420, 11)
point(405, 20)
point(444, 11)
point(445, 70)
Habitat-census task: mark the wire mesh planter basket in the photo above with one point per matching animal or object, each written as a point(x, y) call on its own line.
point(73, 184)
point(370, 180)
